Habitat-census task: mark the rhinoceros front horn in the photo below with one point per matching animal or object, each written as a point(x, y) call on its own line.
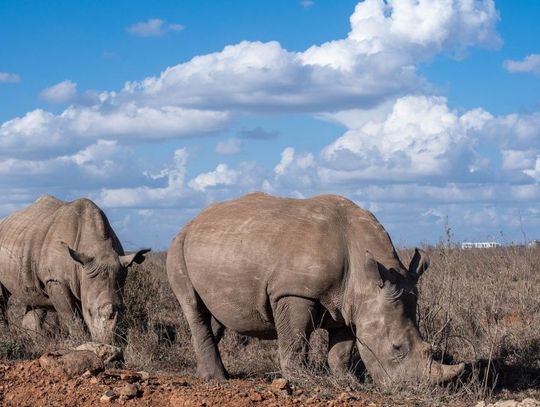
point(439, 373)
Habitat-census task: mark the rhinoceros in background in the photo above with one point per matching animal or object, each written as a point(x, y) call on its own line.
point(66, 257)
point(274, 267)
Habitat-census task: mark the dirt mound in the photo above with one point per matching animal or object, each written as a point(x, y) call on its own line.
point(29, 384)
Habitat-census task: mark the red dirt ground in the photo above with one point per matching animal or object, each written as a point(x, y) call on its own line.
point(28, 384)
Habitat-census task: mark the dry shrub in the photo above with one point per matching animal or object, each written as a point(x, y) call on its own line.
point(158, 336)
point(482, 306)
point(478, 306)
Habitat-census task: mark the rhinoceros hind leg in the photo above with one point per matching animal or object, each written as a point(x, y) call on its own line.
point(217, 329)
point(4, 298)
point(295, 320)
point(33, 321)
point(340, 349)
point(209, 364)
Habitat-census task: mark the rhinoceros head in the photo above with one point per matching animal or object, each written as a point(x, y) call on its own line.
point(101, 281)
point(387, 334)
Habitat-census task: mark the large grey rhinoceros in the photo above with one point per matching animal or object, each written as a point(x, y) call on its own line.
point(64, 256)
point(275, 267)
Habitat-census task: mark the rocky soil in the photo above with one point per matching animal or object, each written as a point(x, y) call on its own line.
point(31, 383)
point(44, 382)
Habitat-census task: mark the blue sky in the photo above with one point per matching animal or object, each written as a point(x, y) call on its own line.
point(421, 111)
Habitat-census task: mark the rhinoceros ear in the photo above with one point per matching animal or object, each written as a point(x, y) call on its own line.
point(419, 264)
point(371, 268)
point(79, 257)
point(128, 260)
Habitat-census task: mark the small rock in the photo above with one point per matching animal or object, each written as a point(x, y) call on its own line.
point(86, 374)
point(280, 384)
point(344, 396)
point(255, 396)
point(144, 375)
point(130, 376)
point(480, 404)
point(182, 383)
point(71, 363)
point(107, 353)
point(506, 403)
point(108, 396)
point(529, 403)
point(298, 392)
point(94, 380)
point(129, 390)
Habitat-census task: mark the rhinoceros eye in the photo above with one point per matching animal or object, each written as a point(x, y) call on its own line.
point(399, 350)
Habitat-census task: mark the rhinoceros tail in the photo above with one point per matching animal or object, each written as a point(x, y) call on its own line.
point(176, 263)
point(263, 305)
point(177, 272)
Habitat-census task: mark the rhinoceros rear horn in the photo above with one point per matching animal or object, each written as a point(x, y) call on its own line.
point(138, 257)
point(79, 257)
point(419, 264)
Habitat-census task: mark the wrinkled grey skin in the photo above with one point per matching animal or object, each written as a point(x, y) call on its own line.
point(64, 256)
point(274, 267)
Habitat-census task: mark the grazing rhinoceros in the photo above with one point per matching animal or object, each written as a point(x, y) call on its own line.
point(64, 256)
point(274, 267)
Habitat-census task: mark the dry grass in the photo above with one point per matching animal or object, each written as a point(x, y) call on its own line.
point(477, 306)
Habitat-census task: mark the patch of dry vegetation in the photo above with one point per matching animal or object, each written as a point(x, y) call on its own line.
point(477, 306)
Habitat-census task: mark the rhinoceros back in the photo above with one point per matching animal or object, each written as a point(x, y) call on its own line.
point(30, 249)
point(21, 241)
point(244, 254)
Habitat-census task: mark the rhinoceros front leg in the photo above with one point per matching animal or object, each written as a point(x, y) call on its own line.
point(64, 304)
point(340, 349)
point(33, 321)
point(295, 321)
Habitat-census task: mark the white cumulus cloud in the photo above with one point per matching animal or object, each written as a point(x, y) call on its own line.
point(153, 27)
point(531, 64)
point(230, 146)
point(534, 172)
point(373, 64)
point(222, 175)
point(420, 137)
point(6, 77)
point(147, 196)
point(377, 60)
point(307, 3)
point(47, 133)
point(62, 92)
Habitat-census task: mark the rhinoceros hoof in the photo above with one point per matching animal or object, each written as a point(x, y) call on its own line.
point(211, 375)
point(71, 363)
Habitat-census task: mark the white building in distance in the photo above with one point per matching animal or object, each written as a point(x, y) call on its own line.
point(479, 245)
point(534, 243)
